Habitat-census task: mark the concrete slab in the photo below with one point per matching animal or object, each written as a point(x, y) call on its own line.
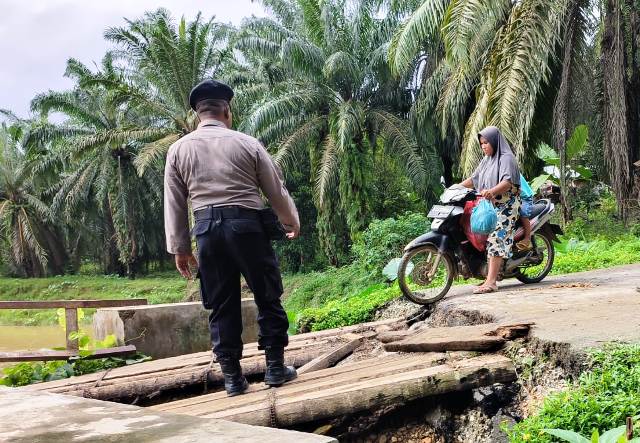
point(37, 417)
point(167, 330)
point(581, 310)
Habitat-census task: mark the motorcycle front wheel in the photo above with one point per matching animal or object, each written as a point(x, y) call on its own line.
point(425, 275)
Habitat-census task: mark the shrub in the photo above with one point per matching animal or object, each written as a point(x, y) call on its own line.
point(358, 308)
point(385, 239)
point(601, 399)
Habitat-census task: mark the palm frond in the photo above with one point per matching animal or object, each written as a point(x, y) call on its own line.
point(399, 141)
point(287, 152)
point(153, 152)
point(347, 124)
point(421, 27)
point(294, 102)
point(522, 65)
point(302, 56)
point(326, 181)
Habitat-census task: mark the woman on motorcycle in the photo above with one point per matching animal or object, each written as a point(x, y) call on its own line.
point(497, 178)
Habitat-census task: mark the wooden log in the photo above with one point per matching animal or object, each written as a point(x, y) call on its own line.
point(154, 383)
point(64, 355)
point(167, 366)
point(332, 357)
point(291, 407)
point(459, 338)
point(311, 381)
point(68, 304)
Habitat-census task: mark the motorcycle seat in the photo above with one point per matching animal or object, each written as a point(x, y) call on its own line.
point(540, 207)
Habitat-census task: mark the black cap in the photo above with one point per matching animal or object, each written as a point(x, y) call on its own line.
point(210, 89)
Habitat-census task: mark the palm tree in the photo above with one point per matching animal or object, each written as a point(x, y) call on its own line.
point(97, 146)
point(164, 61)
point(485, 62)
point(26, 222)
point(332, 98)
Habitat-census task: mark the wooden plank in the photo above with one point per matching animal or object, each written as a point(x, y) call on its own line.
point(294, 404)
point(317, 380)
point(166, 365)
point(160, 382)
point(64, 355)
point(391, 336)
point(459, 338)
point(332, 357)
point(115, 385)
point(54, 304)
point(393, 323)
point(71, 325)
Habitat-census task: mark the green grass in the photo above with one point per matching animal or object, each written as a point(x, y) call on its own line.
point(156, 289)
point(601, 399)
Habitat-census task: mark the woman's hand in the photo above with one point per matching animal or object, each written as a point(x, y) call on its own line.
point(488, 194)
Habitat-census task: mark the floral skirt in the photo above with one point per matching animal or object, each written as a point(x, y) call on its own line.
point(500, 241)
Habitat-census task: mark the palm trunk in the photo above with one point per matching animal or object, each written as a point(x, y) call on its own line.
point(561, 107)
point(618, 119)
point(111, 260)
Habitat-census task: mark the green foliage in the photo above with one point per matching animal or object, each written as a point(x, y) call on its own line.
point(487, 63)
point(385, 239)
point(602, 398)
point(616, 435)
point(23, 374)
point(333, 101)
point(573, 170)
point(316, 289)
point(349, 310)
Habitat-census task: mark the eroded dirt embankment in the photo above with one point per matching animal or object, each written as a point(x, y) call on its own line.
point(476, 416)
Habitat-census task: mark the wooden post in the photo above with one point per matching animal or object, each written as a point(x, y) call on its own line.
point(71, 317)
point(629, 428)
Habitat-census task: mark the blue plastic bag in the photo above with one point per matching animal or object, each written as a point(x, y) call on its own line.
point(484, 218)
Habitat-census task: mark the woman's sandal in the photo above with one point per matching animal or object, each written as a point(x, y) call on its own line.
point(485, 290)
point(524, 245)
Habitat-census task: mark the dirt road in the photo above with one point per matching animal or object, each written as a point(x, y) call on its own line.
point(581, 310)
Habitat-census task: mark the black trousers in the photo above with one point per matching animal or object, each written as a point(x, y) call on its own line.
point(231, 241)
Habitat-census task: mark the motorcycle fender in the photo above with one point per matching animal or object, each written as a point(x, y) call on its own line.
point(553, 231)
point(440, 241)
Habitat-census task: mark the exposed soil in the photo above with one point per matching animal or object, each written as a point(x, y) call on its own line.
point(472, 417)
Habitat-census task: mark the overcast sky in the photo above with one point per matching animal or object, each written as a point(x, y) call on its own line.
point(38, 36)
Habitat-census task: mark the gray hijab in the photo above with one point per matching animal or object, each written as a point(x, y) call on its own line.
point(500, 166)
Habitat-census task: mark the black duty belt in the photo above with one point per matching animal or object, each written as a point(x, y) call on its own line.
point(226, 212)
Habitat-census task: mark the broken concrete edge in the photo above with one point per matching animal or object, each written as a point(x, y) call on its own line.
point(572, 361)
point(27, 417)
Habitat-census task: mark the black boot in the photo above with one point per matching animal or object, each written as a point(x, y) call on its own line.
point(234, 381)
point(277, 373)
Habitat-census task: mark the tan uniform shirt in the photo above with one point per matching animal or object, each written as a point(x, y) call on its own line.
point(215, 166)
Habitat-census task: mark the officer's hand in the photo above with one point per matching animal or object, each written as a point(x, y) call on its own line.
point(183, 263)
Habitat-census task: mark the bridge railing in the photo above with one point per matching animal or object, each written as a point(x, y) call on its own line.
point(71, 325)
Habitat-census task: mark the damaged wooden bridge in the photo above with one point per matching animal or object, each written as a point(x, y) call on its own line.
point(341, 371)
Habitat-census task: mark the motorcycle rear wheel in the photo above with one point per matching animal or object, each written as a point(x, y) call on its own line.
point(418, 281)
point(535, 274)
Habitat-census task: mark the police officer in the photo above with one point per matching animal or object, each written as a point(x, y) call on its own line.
point(223, 172)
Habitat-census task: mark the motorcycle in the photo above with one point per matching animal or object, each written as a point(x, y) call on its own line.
point(432, 261)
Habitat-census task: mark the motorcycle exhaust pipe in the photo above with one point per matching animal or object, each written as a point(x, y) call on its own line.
point(511, 265)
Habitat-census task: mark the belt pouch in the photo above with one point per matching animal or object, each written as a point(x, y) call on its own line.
point(271, 224)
